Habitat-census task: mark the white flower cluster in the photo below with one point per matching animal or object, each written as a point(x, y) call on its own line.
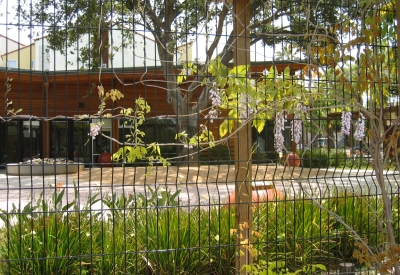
point(280, 120)
point(346, 123)
point(360, 127)
point(203, 128)
point(297, 123)
point(215, 96)
point(212, 114)
point(245, 106)
point(188, 146)
point(94, 130)
point(216, 102)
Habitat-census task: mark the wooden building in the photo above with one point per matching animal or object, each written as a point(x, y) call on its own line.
point(51, 101)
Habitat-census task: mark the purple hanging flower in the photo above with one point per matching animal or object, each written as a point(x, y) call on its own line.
point(346, 123)
point(94, 130)
point(360, 128)
point(297, 123)
point(212, 114)
point(279, 127)
point(247, 106)
point(215, 96)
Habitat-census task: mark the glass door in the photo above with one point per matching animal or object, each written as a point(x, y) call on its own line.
point(31, 146)
point(9, 148)
point(59, 139)
point(82, 145)
point(102, 144)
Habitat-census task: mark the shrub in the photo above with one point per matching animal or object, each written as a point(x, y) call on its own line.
point(133, 235)
point(295, 232)
point(322, 158)
point(315, 158)
point(47, 237)
point(299, 232)
point(155, 234)
point(338, 158)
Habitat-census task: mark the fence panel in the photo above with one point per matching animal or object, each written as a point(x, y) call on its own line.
point(122, 150)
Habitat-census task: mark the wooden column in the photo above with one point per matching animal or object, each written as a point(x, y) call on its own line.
point(46, 124)
point(398, 55)
point(243, 146)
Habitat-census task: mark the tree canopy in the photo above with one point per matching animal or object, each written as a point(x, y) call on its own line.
point(313, 26)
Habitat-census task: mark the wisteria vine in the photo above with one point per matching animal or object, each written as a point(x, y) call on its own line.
point(297, 123)
point(280, 120)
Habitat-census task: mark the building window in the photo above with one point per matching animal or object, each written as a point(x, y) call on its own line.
point(102, 144)
point(11, 64)
point(161, 130)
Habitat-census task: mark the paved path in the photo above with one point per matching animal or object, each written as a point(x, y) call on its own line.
point(207, 185)
point(202, 174)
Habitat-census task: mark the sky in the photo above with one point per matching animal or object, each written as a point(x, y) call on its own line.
point(7, 13)
point(7, 19)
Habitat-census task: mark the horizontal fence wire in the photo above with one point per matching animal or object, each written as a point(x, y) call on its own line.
point(199, 137)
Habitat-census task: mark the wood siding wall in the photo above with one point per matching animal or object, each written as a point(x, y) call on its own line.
point(50, 95)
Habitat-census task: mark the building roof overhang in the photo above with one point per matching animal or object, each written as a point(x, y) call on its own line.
point(134, 73)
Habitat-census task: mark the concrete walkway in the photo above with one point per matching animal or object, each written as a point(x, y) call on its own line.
point(224, 174)
point(199, 186)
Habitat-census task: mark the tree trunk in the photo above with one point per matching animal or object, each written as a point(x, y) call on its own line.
point(377, 164)
point(187, 120)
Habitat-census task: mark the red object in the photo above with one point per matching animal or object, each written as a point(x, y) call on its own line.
point(260, 194)
point(104, 159)
point(291, 159)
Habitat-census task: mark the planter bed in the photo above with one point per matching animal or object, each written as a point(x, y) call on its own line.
point(38, 167)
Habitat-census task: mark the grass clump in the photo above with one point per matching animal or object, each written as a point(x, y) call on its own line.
point(132, 235)
point(47, 237)
point(324, 158)
point(155, 234)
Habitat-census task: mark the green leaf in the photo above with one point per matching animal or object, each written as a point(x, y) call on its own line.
point(222, 82)
point(115, 94)
point(68, 206)
point(180, 79)
point(259, 124)
point(320, 266)
point(271, 74)
point(223, 128)
point(287, 71)
point(59, 197)
point(240, 70)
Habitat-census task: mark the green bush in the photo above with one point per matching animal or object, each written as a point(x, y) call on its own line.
point(186, 242)
point(157, 235)
point(135, 235)
point(47, 237)
point(362, 214)
point(322, 158)
point(295, 232)
point(338, 158)
point(299, 232)
point(316, 158)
